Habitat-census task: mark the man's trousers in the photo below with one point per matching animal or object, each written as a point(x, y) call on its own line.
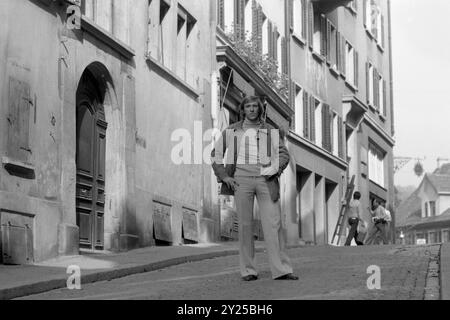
point(378, 229)
point(274, 232)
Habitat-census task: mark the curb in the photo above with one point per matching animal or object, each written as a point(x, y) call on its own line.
point(48, 285)
point(444, 264)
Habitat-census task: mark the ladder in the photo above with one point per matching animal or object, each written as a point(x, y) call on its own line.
point(340, 222)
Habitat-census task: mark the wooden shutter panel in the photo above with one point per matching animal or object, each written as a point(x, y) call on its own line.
point(328, 41)
point(368, 82)
point(326, 141)
point(356, 61)
point(291, 14)
point(284, 56)
point(385, 98)
point(272, 40)
point(323, 35)
point(293, 92)
point(338, 51)
point(306, 120)
point(340, 138)
point(304, 18)
point(343, 55)
point(240, 5)
point(312, 116)
point(365, 13)
point(254, 24)
point(374, 19)
point(376, 91)
point(221, 13)
point(310, 25)
point(382, 31)
point(260, 23)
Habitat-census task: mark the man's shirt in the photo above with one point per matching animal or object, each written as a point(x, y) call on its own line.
point(353, 209)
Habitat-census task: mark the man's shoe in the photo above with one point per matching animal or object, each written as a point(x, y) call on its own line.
point(250, 277)
point(289, 276)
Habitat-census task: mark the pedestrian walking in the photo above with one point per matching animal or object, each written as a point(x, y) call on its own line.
point(256, 158)
point(354, 218)
point(379, 228)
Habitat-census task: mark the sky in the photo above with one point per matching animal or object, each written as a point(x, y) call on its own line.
point(421, 67)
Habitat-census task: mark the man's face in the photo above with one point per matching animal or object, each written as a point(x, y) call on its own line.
point(251, 111)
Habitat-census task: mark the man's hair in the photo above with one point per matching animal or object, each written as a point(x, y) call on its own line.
point(248, 100)
point(357, 195)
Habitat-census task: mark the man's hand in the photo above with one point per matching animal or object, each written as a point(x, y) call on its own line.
point(231, 183)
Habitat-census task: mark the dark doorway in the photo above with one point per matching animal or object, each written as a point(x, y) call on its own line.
point(90, 163)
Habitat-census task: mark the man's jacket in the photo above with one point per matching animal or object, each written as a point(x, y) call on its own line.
point(229, 144)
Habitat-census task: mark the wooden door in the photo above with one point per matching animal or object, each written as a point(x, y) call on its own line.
point(90, 162)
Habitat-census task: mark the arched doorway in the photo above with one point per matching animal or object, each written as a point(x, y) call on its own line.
point(91, 129)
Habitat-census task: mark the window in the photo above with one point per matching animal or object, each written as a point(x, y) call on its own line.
point(351, 65)
point(265, 35)
point(99, 11)
point(229, 13)
point(382, 95)
point(279, 53)
point(184, 50)
point(426, 212)
point(376, 164)
point(248, 18)
point(299, 111)
point(333, 45)
point(374, 20)
point(299, 14)
point(159, 32)
point(432, 208)
point(318, 123)
point(335, 134)
point(370, 74)
point(317, 39)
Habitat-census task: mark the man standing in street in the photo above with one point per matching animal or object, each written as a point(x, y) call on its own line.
point(379, 218)
point(256, 158)
point(353, 219)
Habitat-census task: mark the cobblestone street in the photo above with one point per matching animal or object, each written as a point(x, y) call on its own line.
point(325, 273)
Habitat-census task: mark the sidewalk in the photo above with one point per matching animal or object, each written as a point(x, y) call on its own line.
point(19, 281)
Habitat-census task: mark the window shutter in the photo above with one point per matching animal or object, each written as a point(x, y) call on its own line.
point(374, 16)
point(254, 24)
point(284, 56)
point(310, 25)
point(356, 61)
point(368, 82)
point(323, 35)
point(312, 110)
point(340, 138)
point(260, 23)
point(272, 39)
point(328, 41)
point(221, 13)
point(343, 55)
point(306, 120)
point(338, 51)
point(241, 18)
point(326, 143)
point(365, 13)
point(385, 98)
point(291, 14)
point(292, 103)
point(376, 91)
point(304, 19)
point(382, 31)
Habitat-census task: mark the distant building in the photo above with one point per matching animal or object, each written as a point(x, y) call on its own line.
point(426, 214)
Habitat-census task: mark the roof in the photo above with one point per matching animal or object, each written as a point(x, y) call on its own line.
point(440, 182)
point(444, 169)
point(414, 221)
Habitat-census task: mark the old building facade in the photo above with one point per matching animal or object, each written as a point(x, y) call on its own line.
point(336, 58)
point(88, 108)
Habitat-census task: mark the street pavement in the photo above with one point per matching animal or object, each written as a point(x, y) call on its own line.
point(326, 273)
